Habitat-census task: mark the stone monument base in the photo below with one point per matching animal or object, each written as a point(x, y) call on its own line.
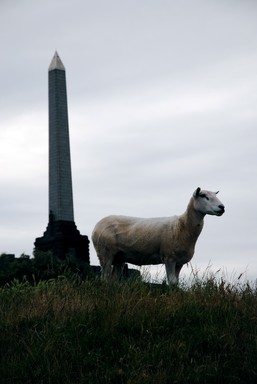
point(63, 239)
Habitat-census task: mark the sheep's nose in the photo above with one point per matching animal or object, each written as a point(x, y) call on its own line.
point(222, 208)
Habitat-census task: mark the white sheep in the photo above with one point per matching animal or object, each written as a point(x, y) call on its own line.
point(140, 241)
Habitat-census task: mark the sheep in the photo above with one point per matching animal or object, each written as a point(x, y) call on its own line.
point(147, 241)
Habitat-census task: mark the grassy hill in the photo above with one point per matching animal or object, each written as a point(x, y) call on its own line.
point(71, 331)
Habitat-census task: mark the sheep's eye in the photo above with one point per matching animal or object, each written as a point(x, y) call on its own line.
point(204, 196)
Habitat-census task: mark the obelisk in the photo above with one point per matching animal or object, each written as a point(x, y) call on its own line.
point(60, 182)
point(61, 237)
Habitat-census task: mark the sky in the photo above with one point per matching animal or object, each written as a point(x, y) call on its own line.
point(162, 99)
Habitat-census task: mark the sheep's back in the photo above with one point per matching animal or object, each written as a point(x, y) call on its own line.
point(132, 234)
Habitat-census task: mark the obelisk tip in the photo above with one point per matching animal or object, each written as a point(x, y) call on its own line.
point(56, 63)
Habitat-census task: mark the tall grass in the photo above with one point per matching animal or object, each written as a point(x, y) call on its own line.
point(68, 331)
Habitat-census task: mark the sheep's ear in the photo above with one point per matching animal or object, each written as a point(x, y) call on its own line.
point(196, 192)
point(216, 192)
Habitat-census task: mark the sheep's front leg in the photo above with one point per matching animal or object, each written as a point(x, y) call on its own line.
point(170, 266)
point(177, 270)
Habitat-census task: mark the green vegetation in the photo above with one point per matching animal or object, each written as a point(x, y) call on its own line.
point(43, 266)
point(69, 331)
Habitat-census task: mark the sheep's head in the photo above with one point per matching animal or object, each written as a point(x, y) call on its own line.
point(207, 203)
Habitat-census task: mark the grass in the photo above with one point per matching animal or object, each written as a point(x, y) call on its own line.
point(69, 331)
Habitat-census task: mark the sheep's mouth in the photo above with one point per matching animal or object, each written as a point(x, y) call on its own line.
point(220, 212)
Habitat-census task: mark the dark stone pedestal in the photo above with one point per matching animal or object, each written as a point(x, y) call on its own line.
point(63, 238)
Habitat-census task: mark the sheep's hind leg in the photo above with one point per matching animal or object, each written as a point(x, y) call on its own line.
point(106, 266)
point(118, 270)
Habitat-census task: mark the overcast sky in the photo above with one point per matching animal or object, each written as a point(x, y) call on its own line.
point(162, 99)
